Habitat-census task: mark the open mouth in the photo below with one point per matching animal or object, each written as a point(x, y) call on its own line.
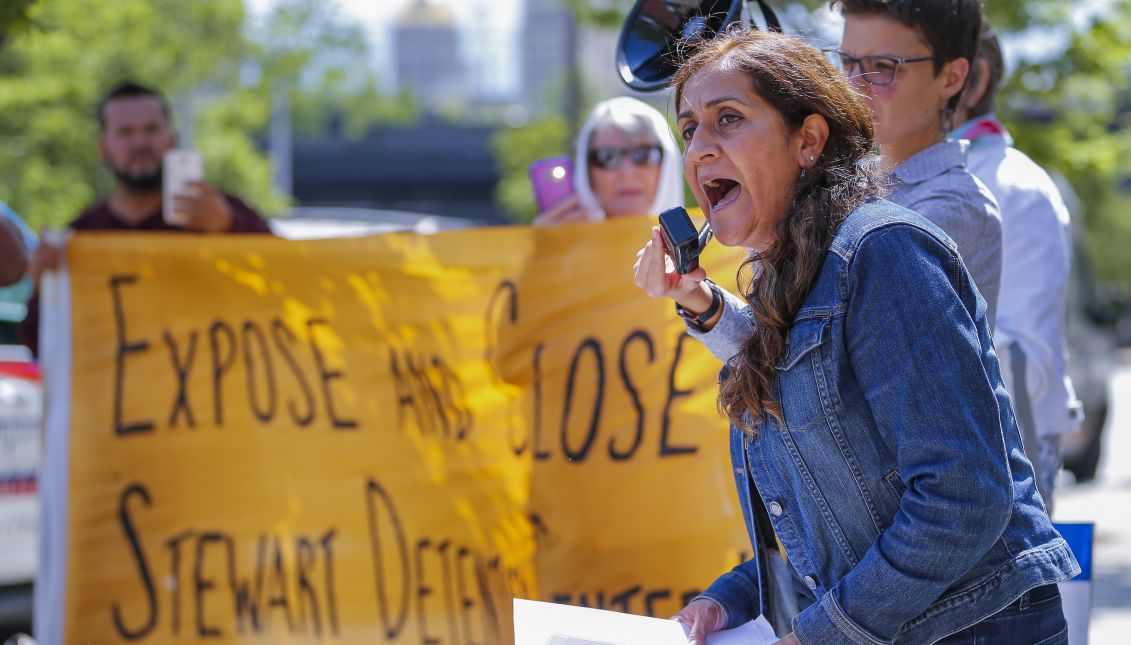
point(721, 192)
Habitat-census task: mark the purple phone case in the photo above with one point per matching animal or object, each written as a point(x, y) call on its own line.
point(551, 190)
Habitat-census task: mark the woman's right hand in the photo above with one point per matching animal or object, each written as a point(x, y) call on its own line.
point(569, 210)
point(702, 617)
point(655, 273)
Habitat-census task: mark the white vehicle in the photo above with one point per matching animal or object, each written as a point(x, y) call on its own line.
point(21, 405)
point(317, 222)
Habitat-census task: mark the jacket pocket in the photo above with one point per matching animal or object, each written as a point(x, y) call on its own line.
point(804, 337)
point(803, 382)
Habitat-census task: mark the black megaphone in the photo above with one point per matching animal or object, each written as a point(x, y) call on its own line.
point(648, 48)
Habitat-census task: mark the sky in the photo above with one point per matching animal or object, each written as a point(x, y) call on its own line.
point(488, 31)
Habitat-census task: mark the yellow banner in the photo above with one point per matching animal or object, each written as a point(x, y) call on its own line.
point(382, 439)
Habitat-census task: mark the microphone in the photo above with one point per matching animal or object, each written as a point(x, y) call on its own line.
point(681, 241)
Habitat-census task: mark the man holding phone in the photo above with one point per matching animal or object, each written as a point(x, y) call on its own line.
point(136, 135)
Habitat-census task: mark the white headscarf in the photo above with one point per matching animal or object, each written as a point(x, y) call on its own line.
point(617, 111)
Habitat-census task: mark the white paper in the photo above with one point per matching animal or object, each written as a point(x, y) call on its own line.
point(755, 632)
point(544, 623)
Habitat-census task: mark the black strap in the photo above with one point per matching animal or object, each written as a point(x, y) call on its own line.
point(698, 321)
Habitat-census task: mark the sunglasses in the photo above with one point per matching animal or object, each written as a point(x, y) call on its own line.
point(612, 158)
point(877, 70)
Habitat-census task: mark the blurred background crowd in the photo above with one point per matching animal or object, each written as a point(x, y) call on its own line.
point(364, 115)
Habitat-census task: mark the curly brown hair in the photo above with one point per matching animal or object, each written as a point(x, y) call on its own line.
point(797, 81)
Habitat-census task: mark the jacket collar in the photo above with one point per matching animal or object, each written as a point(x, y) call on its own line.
point(932, 162)
point(981, 131)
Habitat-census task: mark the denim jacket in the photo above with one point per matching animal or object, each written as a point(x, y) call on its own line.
point(897, 483)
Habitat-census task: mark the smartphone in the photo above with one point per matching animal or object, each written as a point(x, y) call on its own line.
point(552, 180)
point(181, 165)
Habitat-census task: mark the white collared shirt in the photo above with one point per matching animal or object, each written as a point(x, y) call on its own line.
point(1036, 259)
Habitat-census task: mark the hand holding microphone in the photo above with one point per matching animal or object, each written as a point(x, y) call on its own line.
point(680, 277)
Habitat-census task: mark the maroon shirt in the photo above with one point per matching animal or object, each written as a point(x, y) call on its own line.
point(101, 218)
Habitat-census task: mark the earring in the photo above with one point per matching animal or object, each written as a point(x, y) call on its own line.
point(812, 158)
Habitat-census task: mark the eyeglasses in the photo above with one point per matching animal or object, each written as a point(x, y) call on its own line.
point(612, 158)
point(877, 70)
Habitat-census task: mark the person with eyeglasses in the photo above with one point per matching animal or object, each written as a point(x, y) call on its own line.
point(626, 163)
point(910, 59)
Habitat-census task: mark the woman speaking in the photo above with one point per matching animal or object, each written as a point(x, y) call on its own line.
point(873, 444)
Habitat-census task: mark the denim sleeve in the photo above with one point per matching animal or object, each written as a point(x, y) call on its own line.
point(965, 211)
point(919, 347)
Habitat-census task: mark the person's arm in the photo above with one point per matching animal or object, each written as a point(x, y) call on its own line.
point(1034, 283)
point(967, 213)
point(568, 211)
point(702, 616)
point(936, 399)
point(209, 210)
point(730, 329)
point(706, 614)
point(245, 219)
point(48, 256)
point(13, 255)
point(736, 594)
point(28, 330)
point(725, 331)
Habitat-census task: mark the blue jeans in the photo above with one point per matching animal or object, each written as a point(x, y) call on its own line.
point(1035, 618)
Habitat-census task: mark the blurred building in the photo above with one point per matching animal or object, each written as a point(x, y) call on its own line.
point(432, 167)
point(428, 59)
point(597, 58)
point(545, 52)
point(546, 56)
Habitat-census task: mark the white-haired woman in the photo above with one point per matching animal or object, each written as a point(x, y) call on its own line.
point(627, 163)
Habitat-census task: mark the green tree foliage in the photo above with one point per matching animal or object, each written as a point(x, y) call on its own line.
point(52, 77)
point(220, 71)
point(549, 136)
point(515, 150)
point(1072, 113)
point(15, 17)
point(601, 13)
point(339, 96)
point(307, 51)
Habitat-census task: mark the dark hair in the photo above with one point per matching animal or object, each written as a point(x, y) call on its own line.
point(989, 51)
point(129, 89)
point(950, 27)
point(797, 81)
